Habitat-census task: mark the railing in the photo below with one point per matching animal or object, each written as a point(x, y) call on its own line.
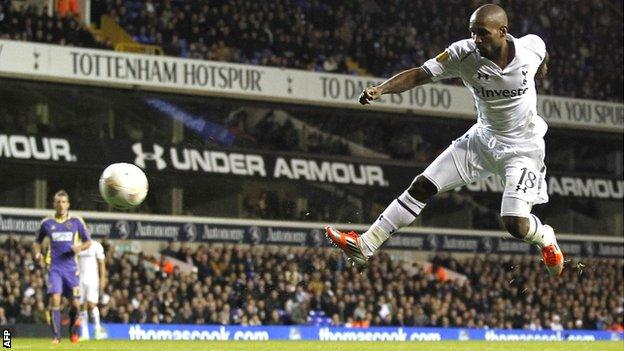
point(139, 48)
point(123, 41)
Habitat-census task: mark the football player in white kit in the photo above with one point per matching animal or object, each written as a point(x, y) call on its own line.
point(92, 279)
point(507, 139)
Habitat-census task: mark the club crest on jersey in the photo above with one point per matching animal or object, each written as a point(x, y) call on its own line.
point(483, 76)
point(68, 225)
point(443, 56)
point(524, 76)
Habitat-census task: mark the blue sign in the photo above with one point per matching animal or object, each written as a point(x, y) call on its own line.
point(310, 236)
point(201, 126)
point(296, 332)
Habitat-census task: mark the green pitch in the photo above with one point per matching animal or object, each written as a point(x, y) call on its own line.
point(118, 345)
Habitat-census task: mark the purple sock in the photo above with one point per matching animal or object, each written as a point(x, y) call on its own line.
point(56, 323)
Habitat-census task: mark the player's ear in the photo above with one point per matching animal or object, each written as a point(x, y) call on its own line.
point(503, 31)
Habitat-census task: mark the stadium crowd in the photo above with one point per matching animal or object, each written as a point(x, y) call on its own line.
point(358, 37)
point(346, 37)
point(285, 136)
point(32, 23)
point(267, 285)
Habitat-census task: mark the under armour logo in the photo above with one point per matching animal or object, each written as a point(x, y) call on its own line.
point(524, 74)
point(150, 156)
point(483, 75)
point(518, 188)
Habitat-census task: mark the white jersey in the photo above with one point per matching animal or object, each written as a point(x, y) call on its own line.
point(88, 262)
point(506, 99)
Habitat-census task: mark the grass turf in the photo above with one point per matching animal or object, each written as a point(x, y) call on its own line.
point(118, 345)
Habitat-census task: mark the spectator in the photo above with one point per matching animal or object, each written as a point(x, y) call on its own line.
point(3, 317)
point(30, 23)
point(40, 314)
point(25, 315)
point(555, 323)
point(284, 289)
point(67, 7)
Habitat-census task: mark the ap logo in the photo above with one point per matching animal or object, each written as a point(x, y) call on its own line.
point(156, 156)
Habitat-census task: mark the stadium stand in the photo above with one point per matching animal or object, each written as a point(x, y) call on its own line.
point(350, 37)
point(271, 34)
point(270, 285)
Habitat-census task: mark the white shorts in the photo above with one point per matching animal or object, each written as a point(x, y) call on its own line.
point(520, 167)
point(90, 292)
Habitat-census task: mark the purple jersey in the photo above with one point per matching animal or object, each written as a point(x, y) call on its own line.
point(63, 235)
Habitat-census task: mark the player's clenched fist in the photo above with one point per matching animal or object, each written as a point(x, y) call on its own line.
point(369, 94)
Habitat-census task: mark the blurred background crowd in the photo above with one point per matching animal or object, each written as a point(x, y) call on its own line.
point(270, 285)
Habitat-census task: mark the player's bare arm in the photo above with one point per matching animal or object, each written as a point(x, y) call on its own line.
point(542, 70)
point(36, 252)
point(102, 271)
point(80, 247)
point(398, 83)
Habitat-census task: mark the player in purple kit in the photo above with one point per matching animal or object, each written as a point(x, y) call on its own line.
point(68, 236)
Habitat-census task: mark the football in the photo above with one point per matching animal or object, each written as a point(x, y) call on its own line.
point(123, 185)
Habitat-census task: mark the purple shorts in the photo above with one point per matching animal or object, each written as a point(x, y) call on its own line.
point(67, 283)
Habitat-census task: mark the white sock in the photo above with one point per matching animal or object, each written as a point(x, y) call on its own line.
point(400, 213)
point(372, 239)
point(95, 312)
point(84, 326)
point(539, 234)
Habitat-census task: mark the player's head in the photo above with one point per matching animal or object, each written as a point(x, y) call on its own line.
point(488, 26)
point(61, 203)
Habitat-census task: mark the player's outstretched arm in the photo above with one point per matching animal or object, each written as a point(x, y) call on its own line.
point(398, 83)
